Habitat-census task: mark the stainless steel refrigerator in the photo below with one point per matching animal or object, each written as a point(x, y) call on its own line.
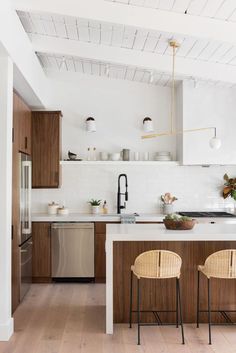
point(25, 234)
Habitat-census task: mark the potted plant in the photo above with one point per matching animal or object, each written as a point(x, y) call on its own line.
point(176, 222)
point(95, 205)
point(229, 187)
point(168, 201)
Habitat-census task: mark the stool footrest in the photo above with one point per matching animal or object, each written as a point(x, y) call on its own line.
point(156, 315)
point(224, 314)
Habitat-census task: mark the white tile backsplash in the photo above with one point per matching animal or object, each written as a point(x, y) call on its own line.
point(196, 187)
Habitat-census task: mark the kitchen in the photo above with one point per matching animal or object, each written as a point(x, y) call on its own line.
point(94, 105)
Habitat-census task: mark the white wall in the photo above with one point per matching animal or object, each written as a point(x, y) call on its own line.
point(6, 112)
point(206, 106)
point(119, 107)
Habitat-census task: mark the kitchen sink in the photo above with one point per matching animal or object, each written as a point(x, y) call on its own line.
point(118, 214)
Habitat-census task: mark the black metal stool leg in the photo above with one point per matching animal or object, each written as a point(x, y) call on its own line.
point(209, 308)
point(198, 296)
point(180, 312)
point(131, 299)
point(138, 310)
point(177, 304)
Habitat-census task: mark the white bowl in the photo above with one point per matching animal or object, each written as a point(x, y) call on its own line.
point(115, 156)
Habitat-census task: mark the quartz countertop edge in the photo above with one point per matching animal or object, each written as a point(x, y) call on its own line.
point(158, 232)
point(88, 217)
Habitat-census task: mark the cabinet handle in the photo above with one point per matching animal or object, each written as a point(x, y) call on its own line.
point(26, 142)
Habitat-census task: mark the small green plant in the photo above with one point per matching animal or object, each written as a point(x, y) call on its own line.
point(94, 202)
point(177, 218)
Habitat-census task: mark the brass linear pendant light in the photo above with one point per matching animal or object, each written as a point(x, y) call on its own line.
point(214, 142)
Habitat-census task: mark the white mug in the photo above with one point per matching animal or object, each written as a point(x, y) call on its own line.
point(103, 156)
point(136, 156)
point(146, 156)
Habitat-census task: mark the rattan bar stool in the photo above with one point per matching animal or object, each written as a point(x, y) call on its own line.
point(156, 264)
point(221, 264)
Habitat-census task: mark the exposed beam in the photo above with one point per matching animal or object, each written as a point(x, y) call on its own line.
point(146, 18)
point(16, 43)
point(161, 63)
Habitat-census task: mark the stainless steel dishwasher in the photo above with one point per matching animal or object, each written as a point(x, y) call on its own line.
point(73, 251)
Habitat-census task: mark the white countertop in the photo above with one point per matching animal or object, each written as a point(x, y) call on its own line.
point(112, 217)
point(158, 232)
point(88, 217)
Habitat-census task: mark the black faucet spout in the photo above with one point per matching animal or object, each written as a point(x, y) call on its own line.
point(119, 193)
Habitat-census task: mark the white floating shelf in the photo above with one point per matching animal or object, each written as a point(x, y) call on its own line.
point(153, 163)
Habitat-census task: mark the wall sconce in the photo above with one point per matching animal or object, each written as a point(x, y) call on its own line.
point(90, 124)
point(148, 124)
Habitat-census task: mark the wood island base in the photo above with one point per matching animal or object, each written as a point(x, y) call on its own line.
point(160, 294)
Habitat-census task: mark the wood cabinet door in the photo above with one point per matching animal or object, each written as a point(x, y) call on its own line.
point(21, 125)
point(100, 254)
point(100, 258)
point(46, 149)
point(41, 257)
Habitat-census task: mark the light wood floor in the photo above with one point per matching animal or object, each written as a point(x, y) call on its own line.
point(70, 318)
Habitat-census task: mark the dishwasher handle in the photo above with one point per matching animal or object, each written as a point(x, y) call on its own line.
point(72, 225)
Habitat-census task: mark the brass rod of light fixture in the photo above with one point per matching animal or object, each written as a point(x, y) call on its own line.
point(173, 45)
point(180, 132)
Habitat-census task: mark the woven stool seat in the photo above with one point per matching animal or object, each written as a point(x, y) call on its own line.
point(221, 264)
point(157, 264)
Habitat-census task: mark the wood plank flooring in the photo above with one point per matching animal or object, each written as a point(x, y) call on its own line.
point(70, 318)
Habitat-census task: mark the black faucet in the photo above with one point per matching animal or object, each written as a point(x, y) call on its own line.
point(119, 206)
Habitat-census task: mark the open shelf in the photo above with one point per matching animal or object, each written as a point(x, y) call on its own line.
point(153, 163)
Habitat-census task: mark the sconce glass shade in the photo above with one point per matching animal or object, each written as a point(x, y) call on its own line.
point(148, 125)
point(90, 124)
point(215, 143)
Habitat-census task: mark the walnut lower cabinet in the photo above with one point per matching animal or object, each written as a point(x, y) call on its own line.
point(100, 255)
point(41, 233)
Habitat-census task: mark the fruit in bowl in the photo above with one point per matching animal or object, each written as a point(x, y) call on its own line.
point(177, 222)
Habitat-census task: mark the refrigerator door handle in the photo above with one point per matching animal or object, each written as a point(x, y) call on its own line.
point(27, 183)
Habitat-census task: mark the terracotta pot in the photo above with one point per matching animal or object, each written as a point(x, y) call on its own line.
point(179, 225)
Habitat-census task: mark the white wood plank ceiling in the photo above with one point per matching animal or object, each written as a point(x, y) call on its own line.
point(134, 52)
point(127, 37)
point(52, 62)
point(219, 9)
point(97, 68)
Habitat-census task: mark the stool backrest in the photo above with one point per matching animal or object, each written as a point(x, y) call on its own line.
point(221, 264)
point(157, 264)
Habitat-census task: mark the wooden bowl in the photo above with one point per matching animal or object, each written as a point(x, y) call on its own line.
point(179, 225)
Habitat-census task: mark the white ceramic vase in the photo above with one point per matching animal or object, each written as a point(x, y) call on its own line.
point(168, 208)
point(95, 209)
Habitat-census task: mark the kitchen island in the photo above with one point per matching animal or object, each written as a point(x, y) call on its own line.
point(124, 242)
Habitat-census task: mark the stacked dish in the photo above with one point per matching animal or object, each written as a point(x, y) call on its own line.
point(163, 156)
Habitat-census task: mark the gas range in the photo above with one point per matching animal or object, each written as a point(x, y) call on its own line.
point(207, 214)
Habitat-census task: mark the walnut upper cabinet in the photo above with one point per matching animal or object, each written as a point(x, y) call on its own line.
point(22, 126)
point(46, 149)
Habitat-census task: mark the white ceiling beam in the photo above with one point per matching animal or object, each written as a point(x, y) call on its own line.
point(142, 17)
point(27, 70)
point(128, 57)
